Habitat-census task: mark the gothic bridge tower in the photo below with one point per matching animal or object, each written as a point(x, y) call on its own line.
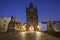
point(31, 16)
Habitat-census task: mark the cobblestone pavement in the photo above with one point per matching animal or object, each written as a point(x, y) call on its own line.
point(27, 36)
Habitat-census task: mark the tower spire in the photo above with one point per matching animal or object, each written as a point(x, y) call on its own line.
point(31, 4)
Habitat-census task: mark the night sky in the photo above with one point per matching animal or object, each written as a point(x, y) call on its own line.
point(17, 8)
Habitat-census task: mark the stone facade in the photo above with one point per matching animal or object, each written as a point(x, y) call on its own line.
point(4, 23)
point(31, 16)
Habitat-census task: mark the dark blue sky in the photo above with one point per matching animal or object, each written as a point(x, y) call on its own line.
point(17, 8)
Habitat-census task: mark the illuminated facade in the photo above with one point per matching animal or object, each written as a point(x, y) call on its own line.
point(31, 16)
point(39, 27)
point(4, 23)
point(23, 27)
point(57, 26)
point(17, 26)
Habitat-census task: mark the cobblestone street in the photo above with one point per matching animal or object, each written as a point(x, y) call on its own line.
point(27, 36)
